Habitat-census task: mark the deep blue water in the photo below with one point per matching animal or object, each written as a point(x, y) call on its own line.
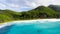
point(34, 28)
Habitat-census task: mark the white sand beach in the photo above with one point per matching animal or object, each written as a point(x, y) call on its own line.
point(40, 20)
point(28, 21)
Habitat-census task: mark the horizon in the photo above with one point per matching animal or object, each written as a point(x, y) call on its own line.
point(24, 5)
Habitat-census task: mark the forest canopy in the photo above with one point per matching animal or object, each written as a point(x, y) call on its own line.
point(41, 12)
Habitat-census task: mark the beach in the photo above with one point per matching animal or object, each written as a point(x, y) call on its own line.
point(27, 21)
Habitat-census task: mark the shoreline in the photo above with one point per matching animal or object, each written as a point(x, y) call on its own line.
point(32, 20)
point(49, 20)
point(26, 21)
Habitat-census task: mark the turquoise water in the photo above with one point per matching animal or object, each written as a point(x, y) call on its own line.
point(35, 28)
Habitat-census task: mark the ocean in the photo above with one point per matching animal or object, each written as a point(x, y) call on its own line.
point(35, 27)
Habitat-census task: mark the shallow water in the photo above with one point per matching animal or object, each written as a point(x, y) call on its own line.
point(35, 28)
point(5, 30)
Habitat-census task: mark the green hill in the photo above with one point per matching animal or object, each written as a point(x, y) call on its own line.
point(8, 15)
point(41, 12)
point(37, 13)
point(55, 7)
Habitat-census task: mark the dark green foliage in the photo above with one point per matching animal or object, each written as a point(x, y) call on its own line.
point(55, 7)
point(37, 13)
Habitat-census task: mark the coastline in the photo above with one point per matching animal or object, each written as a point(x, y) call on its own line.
point(5, 24)
point(26, 21)
point(49, 20)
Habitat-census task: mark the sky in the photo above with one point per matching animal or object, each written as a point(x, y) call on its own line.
point(23, 5)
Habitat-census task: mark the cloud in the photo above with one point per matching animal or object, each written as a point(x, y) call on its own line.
point(31, 4)
point(2, 6)
point(14, 0)
point(56, 2)
point(13, 5)
point(42, 2)
point(2, 0)
point(26, 4)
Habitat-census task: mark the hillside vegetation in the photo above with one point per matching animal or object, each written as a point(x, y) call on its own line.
point(40, 12)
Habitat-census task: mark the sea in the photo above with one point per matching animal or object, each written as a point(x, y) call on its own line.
point(33, 27)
